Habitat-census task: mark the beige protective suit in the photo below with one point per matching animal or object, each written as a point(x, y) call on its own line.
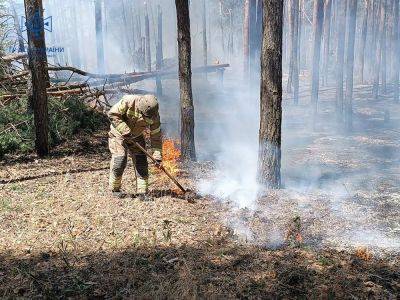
point(130, 117)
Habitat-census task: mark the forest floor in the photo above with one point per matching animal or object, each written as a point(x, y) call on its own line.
point(62, 235)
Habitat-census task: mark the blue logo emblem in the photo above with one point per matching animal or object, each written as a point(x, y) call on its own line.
point(34, 24)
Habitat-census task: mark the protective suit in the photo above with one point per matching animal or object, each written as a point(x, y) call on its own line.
point(130, 117)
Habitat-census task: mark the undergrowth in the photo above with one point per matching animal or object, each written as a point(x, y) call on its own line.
point(66, 118)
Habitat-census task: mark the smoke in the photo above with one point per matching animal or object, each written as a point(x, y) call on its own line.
point(236, 149)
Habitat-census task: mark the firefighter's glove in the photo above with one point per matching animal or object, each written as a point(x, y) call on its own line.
point(157, 156)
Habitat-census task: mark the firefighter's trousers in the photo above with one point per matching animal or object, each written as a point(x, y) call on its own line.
point(120, 148)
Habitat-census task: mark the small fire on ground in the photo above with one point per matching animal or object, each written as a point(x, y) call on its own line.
point(171, 155)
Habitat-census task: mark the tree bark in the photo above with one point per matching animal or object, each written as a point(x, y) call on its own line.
point(397, 50)
point(352, 15)
point(38, 63)
point(269, 159)
point(327, 38)
point(185, 80)
point(341, 41)
point(159, 52)
point(318, 17)
point(99, 36)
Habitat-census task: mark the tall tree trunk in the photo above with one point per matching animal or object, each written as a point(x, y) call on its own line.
point(364, 32)
point(21, 45)
point(327, 39)
point(318, 17)
point(341, 41)
point(296, 50)
point(384, 46)
point(99, 36)
point(252, 37)
point(352, 15)
point(38, 67)
point(246, 21)
point(204, 33)
point(269, 159)
point(76, 49)
point(291, 11)
point(147, 35)
point(185, 80)
point(221, 24)
point(378, 50)
point(397, 51)
point(159, 52)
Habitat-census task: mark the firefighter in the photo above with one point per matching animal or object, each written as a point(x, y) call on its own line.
point(130, 117)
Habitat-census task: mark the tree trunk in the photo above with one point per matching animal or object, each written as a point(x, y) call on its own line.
point(291, 10)
point(397, 51)
point(348, 116)
point(147, 36)
point(204, 34)
point(378, 51)
point(269, 160)
point(364, 32)
point(99, 36)
point(221, 24)
point(21, 45)
point(76, 49)
point(246, 20)
point(384, 46)
point(185, 80)
point(159, 52)
point(296, 50)
point(38, 67)
point(252, 37)
point(327, 38)
point(318, 17)
point(341, 41)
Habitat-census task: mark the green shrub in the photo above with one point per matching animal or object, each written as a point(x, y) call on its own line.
point(66, 119)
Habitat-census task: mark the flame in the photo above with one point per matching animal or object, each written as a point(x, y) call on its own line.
point(171, 155)
point(363, 253)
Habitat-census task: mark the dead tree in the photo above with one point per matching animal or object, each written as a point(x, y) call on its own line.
point(246, 20)
point(327, 38)
point(185, 80)
point(351, 37)
point(99, 36)
point(341, 41)
point(159, 50)
point(147, 35)
point(397, 50)
point(269, 159)
point(37, 64)
point(318, 17)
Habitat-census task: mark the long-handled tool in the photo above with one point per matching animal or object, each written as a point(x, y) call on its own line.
point(161, 167)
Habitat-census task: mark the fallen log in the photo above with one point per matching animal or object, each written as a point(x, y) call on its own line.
point(14, 57)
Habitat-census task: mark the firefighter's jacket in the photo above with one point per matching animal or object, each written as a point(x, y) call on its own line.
point(128, 122)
